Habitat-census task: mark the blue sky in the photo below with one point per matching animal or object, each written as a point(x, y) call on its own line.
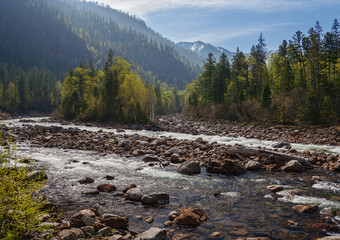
point(231, 23)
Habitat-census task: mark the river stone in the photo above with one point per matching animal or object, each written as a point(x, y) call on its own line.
point(282, 144)
point(175, 158)
point(133, 194)
point(105, 231)
point(77, 219)
point(253, 165)
point(86, 180)
point(129, 187)
point(181, 237)
point(88, 230)
point(190, 217)
point(152, 234)
point(149, 219)
point(225, 167)
point(88, 221)
point(150, 158)
point(155, 198)
point(293, 166)
point(330, 238)
point(106, 187)
point(90, 192)
point(115, 221)
point(116, 237)
point(275, 188)
point(306, 209)
point(189, 167)
point(71, 234)
point(174, 150)
point(172, 215)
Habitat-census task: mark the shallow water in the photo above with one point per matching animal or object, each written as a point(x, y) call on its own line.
point(243, 209)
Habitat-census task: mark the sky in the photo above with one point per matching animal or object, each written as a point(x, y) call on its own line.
point(231, 23)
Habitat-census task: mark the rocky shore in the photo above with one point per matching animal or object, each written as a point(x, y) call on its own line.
point(294, 134)
point(189, 157)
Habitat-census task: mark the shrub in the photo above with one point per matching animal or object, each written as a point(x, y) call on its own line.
point(20, 202)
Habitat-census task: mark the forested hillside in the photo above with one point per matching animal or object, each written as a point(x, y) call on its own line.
point(58, 34)
point(298, 84)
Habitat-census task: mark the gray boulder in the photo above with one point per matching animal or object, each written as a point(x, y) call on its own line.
point(134, 194)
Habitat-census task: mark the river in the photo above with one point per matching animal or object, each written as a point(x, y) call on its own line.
point(244, 207)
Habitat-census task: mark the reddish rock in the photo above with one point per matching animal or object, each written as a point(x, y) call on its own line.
point(306, 209)
point(115, 221)
point(86, 180)
point(293, 166)
point(105, 187)
point(190, 217)
point(225, 167)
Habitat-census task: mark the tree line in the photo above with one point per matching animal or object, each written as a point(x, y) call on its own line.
point(115, 92)
point(298, 84)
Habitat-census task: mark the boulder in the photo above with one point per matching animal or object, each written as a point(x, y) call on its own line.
point(134, 194)
point(129, 187)
point(175, 158)
point(156, 198)
point(275, 188)
point(71, 234)
point(82, 218)
point(105, 187)
point(152, 234)
point(306, 209)
point(150, 158)
point(114, 221)
point(226, 167)
point(253, 165)
point(86, 180)
point(189, 167)
point(88, 230)
point(293, 166)
point(190, 217)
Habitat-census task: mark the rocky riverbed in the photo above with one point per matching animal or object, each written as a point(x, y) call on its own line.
point(216, 166)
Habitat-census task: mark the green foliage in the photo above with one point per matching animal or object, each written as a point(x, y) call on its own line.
point(299, 84)
point(20, 203)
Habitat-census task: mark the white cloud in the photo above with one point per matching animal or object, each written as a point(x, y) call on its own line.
point(144, 7)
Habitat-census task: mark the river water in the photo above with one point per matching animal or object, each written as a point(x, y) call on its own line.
point(243, 209)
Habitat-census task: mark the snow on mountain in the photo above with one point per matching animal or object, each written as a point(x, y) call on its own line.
point(203, 49)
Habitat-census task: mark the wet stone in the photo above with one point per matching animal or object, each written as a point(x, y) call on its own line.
point(86, 180)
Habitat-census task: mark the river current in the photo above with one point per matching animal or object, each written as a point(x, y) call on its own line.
point(243, 208)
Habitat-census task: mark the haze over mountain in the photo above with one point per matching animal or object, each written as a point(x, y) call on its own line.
point(59, 34)
point(203, 49)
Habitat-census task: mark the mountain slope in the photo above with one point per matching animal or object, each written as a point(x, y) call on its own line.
point(58, 34)
point(203, 49)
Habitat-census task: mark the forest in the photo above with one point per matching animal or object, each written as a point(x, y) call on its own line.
point(114, 93)
point(297, 84)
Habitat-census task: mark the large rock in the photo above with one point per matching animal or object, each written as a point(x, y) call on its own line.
point(275, 188)
point(253, 165)
point(150, 158)
point(134, 194)
point(155, 198)
point(86, 180)
point(283, 144)
point(71, 234)
point(225, 167)
point(306, 209)
point(189, 168)
point(106, 187)
point(82, 218)
point(190, 217)
point(152, 234)
point(115, 221)
point(293, 166)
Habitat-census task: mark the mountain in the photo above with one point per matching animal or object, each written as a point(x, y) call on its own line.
point(203, 49)
point(59, 34)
